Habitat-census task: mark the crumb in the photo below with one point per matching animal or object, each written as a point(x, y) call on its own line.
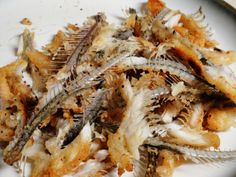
point(26, 21)
point(80, 9)
point(72, 27)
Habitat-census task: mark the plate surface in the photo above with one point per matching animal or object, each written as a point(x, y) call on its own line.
point(48, 16)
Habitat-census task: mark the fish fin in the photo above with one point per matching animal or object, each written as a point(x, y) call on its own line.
point(199, 18)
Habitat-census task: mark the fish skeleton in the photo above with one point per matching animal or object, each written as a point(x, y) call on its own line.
point(56, 97)
point(89, 115)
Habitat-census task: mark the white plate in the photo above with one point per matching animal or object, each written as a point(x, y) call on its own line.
point(48, 16)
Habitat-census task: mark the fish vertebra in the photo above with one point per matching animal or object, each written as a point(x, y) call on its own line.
point(89, 115)
point(60, 94)
point(194, 154)
point(79, 43)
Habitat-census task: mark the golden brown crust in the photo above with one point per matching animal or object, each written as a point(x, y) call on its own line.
point(167, 162)
point(15, 97)
point(119, 154)
point(193, 32)
point(6, 73)
point(155, 6)
point(220, 57)
point(63, 161)
point(72, 27)
point(220, 119)
point(132, 111)
point(26, 21)
point(6, 133)
point(56, 42)
point(40, 60)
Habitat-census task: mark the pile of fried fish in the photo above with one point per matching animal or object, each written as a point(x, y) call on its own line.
point(144, 97)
